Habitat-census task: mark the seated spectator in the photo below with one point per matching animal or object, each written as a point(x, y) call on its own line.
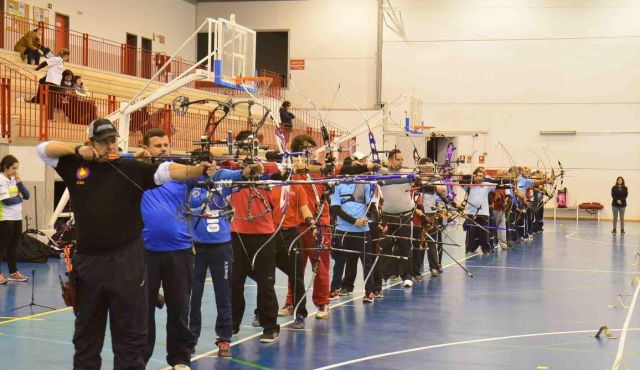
point(28, 42)
point(78, 86)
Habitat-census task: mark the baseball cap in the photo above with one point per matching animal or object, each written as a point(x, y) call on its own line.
point(358, 156)
point(101, 129)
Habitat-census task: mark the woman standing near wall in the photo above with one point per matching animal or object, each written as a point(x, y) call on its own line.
point(12, 193)
point(619, 203)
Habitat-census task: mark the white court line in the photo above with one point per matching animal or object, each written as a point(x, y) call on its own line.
point(570, 236)
point(209, 353)
point(451, 344)
point(623, 336)
point(552, 269)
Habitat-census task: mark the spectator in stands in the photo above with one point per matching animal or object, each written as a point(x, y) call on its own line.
point(286, 120)
point(12, 193)
point(56, 66)
point(619, 194)
point(28, 43)
point(77, 84)
point(80, 109)
point(67, 80)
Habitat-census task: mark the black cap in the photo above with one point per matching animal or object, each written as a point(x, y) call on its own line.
point(101, 129)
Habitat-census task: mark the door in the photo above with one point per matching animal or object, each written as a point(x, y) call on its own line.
point(145, 58)
point(62, 32)
point(131, 59)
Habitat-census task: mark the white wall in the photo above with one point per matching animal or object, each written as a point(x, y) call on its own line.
point(111, 20)
point(337, 39)
point(514, 68)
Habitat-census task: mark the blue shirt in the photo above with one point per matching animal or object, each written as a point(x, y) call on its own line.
point(523, 183)
point(212, 229)
point(341, 193)
point(165, 232)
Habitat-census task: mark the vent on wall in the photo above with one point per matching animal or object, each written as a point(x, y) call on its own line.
point(558, 132)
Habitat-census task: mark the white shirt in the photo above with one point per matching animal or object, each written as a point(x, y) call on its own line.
point(56, 67)
point(478, 200)
point(9, 189)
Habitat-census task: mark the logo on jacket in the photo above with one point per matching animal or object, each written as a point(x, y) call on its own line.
point(81, 174)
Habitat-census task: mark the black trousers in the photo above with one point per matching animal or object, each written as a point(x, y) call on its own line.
point(397, 226)
point(10, 232)
point(219, 260)
point(112, 284)
point(174, 271)
point(291, 266)
point(476, 236)
point(245, 247)
point(418, 252)
point(354, 241)
point(435, 250)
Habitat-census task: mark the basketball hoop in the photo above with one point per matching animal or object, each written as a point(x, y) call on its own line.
point(260, 84)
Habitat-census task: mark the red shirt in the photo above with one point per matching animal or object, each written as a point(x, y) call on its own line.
point(260, 221)
point(297, 198)
point(311, 198)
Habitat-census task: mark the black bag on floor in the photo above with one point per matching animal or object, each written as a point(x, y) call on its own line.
point(31, 249)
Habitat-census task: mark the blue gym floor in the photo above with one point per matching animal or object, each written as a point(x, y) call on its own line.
point(537, 306)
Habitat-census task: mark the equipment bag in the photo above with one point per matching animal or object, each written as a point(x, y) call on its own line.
point(30, 249)
point(561, 198)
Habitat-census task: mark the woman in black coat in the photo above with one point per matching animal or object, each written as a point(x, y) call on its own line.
point(619, 203)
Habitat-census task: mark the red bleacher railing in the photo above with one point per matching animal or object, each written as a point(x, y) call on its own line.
point(19, 87)
point(5, 107)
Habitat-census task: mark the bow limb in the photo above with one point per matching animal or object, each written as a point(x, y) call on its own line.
point(326, 138)
point(372, 140)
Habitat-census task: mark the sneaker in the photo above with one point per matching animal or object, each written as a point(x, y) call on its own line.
point(344, 292)
point(368, 297)
point(224, 350)
point(323, 312)
point(286, 310)
point(440, 269)
point(181, 367)
point(418, 278)
point(268, 337)
point(408, 283)
point(394, 278)
point(334, 295)
point(503, 246)
point(17, 276)
point(622, 231)
point(613, 231)
point(255, 323)
point(299, 323)
point(434, 273)
point(385, 281)
point(378, 294)
point(3, 280)
point(468, 253)
point(236, 330)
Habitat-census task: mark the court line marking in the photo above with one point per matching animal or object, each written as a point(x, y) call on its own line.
point(256, 335)
point(451, 344)
point(551, 269)
point(625, 327)
point(29, 317)
point(570, 236)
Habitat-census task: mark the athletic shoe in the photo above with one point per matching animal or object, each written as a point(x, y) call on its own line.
point(613, 231)
point(344, 292)
point(286, 310)
point(394, 278)
point(224, 350)
point(181, 367)
point(268, 337)
point(408, 283)
point(323, 312)
point(622, 231)
point(255, 323)
point(503, 246)
point(17, 276)
point(385, 281)
point(299, 323)
point(418, 278)
point(368, 297)
point(434, 273)
point(440, 270)
point(378, 294)
point(469, 253)
point(3, 280)
point(334, 295)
